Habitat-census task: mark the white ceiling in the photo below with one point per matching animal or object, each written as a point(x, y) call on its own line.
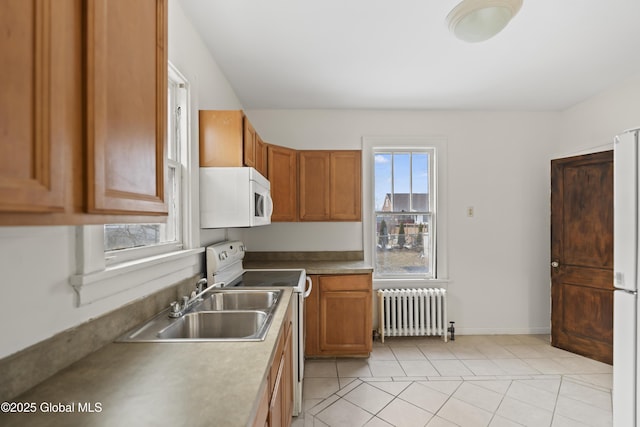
point(399, 54)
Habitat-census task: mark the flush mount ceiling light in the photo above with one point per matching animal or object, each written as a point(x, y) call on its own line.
point(479, 20)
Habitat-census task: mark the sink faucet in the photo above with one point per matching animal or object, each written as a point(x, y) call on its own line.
point(201, 285)
point(180, 309)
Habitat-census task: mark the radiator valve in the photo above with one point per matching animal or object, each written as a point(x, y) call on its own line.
point(452, 330)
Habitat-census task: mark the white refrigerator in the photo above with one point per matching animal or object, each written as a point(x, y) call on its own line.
point(626, 361)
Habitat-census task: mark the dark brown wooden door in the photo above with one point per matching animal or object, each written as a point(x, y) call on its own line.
point(582, 255)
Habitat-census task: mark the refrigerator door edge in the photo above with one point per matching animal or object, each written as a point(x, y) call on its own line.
point(624, 358)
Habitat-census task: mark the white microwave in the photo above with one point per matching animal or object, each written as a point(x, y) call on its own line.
point(234, 197)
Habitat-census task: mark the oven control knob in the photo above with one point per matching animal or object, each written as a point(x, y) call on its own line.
point(223, 255)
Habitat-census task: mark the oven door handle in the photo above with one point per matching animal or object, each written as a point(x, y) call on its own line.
point(307, 291)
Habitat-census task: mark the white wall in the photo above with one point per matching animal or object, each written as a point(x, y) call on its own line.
point(590, 126)
point(497, 162)
point(36, 262)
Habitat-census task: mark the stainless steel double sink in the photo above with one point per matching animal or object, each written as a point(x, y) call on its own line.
point(222, 315)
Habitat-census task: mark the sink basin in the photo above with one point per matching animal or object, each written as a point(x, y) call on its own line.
point(239, 300)
point(223, 315)
point(218, 325)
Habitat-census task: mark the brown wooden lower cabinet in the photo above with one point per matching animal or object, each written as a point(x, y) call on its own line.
point(338, 316)
point(276, 403)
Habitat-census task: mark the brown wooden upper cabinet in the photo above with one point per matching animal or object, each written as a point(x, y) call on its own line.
point(126, 105)
point(282, 172)
point(330, 185)
point(227, 138)
point(84, 111)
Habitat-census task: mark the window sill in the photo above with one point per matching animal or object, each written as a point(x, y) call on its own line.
point(115, 279)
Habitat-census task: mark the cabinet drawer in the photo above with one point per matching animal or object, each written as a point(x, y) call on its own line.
point(346, 282)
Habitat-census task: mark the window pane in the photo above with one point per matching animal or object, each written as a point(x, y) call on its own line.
point(401, 182)
point(383, 181)
point(125, 236)
point(420, 182)
point(403, 244)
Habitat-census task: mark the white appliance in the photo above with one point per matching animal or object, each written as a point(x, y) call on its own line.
point(626, 362)
point(224, 264)
point(234, 197)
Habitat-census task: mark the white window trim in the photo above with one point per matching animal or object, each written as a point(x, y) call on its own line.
point(373, 143)
point(156, 267)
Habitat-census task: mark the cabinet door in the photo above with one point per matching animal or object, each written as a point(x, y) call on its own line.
point(287, 382)
point(313, 180)
point(40, 96)
point(249, 144)
point(126, 105)
point(282, 171)
point(221, 137)
point(346, 188)
point(275, 407)
point(345, 315)
point(261, 156)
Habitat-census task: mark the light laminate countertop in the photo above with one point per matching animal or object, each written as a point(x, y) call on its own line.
point(314, 267)
point(155, 384)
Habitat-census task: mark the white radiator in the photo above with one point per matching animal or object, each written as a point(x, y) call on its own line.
point(412, 312)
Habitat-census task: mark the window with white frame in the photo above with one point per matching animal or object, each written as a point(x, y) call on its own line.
point(404, 182)
point(124, 242)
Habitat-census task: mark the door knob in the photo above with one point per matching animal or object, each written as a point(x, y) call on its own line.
point(555, 264)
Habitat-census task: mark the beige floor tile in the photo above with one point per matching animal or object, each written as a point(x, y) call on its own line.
point(515, 367)
point(415, 368)
point(588, 395)
point(499, 421)
point(449, 368)
point(587, 414)
point(464, 414)
point(523, 413)
point(401, 413)
point(545, 366)
point(447, 387)
point(440, 422)
point(392, 387)
point(436, 351)
point(522, 391)
point(467, 352)
point(382, 353)
point(562, 421)
point(385, 368)
point(377, 422)
point(319, 388)
point(351, 383)
point(369, 398)
point(526, 351)
point(582, 365)
point(423, 397)
point(480, 397)
point(483, 367)
point(499, 386)
point(604, 381)
point(353, 368)
point(495, 380)
point(548, 385)
point(344, 414)
point(320, 368)
point(494, 351)
point(408, 353)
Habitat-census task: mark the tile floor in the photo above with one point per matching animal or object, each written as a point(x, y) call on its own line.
point(497, 381)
